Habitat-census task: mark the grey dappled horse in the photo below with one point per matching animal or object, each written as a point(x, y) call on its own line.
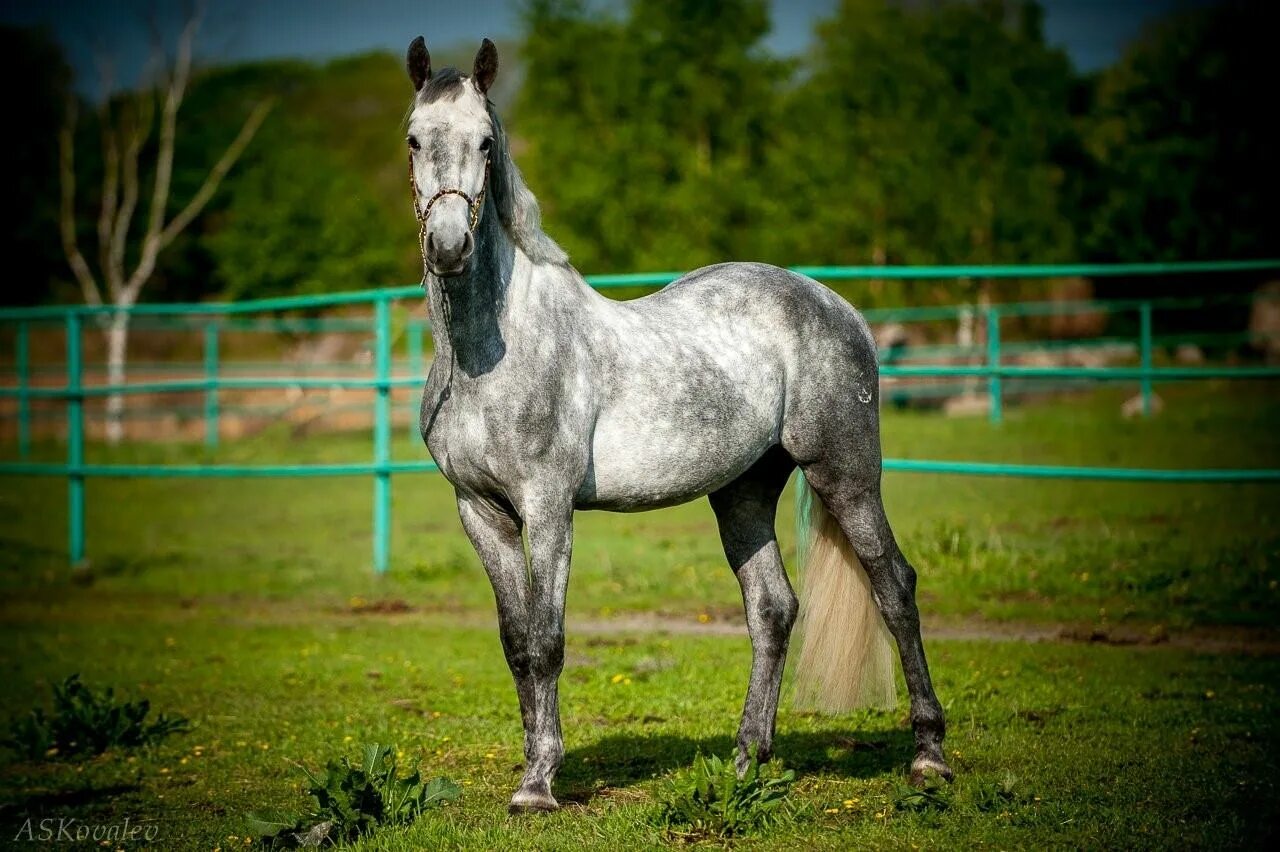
point(545, 397)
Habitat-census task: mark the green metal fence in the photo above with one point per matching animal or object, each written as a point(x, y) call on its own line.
point(211, 318)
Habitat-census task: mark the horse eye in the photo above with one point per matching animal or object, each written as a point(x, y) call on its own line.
point(413, 143)
point(484, 146)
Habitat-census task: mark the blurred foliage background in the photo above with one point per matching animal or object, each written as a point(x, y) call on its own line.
point(666, 136)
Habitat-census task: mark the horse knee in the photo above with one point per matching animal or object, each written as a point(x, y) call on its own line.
point(781, 611)
point(772, 613)
point(520, 663)
point(546, 655)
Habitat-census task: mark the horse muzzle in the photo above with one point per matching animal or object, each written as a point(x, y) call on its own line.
point(449, 258)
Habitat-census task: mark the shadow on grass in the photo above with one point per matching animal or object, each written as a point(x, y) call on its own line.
point(40, 804)
point(622, 760)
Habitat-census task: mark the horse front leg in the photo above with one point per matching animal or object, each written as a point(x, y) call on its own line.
point(550, 545)
point(495, 534)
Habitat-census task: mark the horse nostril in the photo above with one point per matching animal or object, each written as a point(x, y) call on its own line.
point(467, 245)
point(431, 245)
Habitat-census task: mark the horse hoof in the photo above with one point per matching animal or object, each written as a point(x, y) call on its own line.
point(533, 801)
point(922, 767)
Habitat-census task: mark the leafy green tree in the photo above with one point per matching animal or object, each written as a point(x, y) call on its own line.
point(297, 222)
point(321, 203)
point(645, 134)
point(1185, 141)
point(29, 221)
point(925, 135)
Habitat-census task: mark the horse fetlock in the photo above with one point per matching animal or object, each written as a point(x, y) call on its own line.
point(543, 757)
point(930, 726)
point(752, 741)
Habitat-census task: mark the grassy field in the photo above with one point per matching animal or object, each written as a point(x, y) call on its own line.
point(249, 607)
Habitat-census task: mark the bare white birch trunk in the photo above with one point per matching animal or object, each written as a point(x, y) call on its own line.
point(125, 131)
point(117, 335)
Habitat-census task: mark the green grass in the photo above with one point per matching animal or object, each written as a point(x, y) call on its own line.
point(232, 603)
point(1123, 747)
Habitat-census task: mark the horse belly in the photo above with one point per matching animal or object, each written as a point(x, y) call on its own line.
point(669, 457)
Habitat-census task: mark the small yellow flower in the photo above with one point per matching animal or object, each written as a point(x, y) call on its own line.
point(704, 618)
point(435, 714)
point(164, 770)
point(626, 681)
point(1209, 693)
point(618, 678)
point(445, 739)
point(183, 761)
point(265, 746)
point(833, 810)
point(489, 755)
point(848, 803)
point(348, 738)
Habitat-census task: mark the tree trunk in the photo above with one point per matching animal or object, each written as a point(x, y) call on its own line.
point(117, 340)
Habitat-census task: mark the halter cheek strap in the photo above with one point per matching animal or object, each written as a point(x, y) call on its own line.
point(474, 206)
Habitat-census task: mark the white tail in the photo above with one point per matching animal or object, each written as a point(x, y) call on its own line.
point(846, 652)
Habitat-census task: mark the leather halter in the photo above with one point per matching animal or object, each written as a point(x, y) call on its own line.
point(474, 205)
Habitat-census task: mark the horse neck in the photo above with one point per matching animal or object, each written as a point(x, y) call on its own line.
point(468, 312)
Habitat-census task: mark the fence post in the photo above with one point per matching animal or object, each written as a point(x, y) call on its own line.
point(415, 348)
point(994, 385)
point(211, 389)
point(22, 364)
point(1144, 347)
point(75, 442)
point(382, 438)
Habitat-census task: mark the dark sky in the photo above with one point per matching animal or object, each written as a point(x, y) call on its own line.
point(1092, 31)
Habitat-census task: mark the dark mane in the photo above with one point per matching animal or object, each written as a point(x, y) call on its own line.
point(445, 83)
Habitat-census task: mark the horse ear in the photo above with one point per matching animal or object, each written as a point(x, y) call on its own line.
point(418, 63)
point(486, 67)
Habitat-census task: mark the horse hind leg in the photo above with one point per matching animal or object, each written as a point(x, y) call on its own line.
point(745, 512)
point(855, 502)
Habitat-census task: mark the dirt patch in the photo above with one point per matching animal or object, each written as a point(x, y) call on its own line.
point(1226, 640)
point(621, 629)
point(382, 606)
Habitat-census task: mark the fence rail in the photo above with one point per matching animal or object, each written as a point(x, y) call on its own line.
point(210, 317)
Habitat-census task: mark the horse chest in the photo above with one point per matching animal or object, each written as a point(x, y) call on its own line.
point(454, 437)
point(489, 441)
